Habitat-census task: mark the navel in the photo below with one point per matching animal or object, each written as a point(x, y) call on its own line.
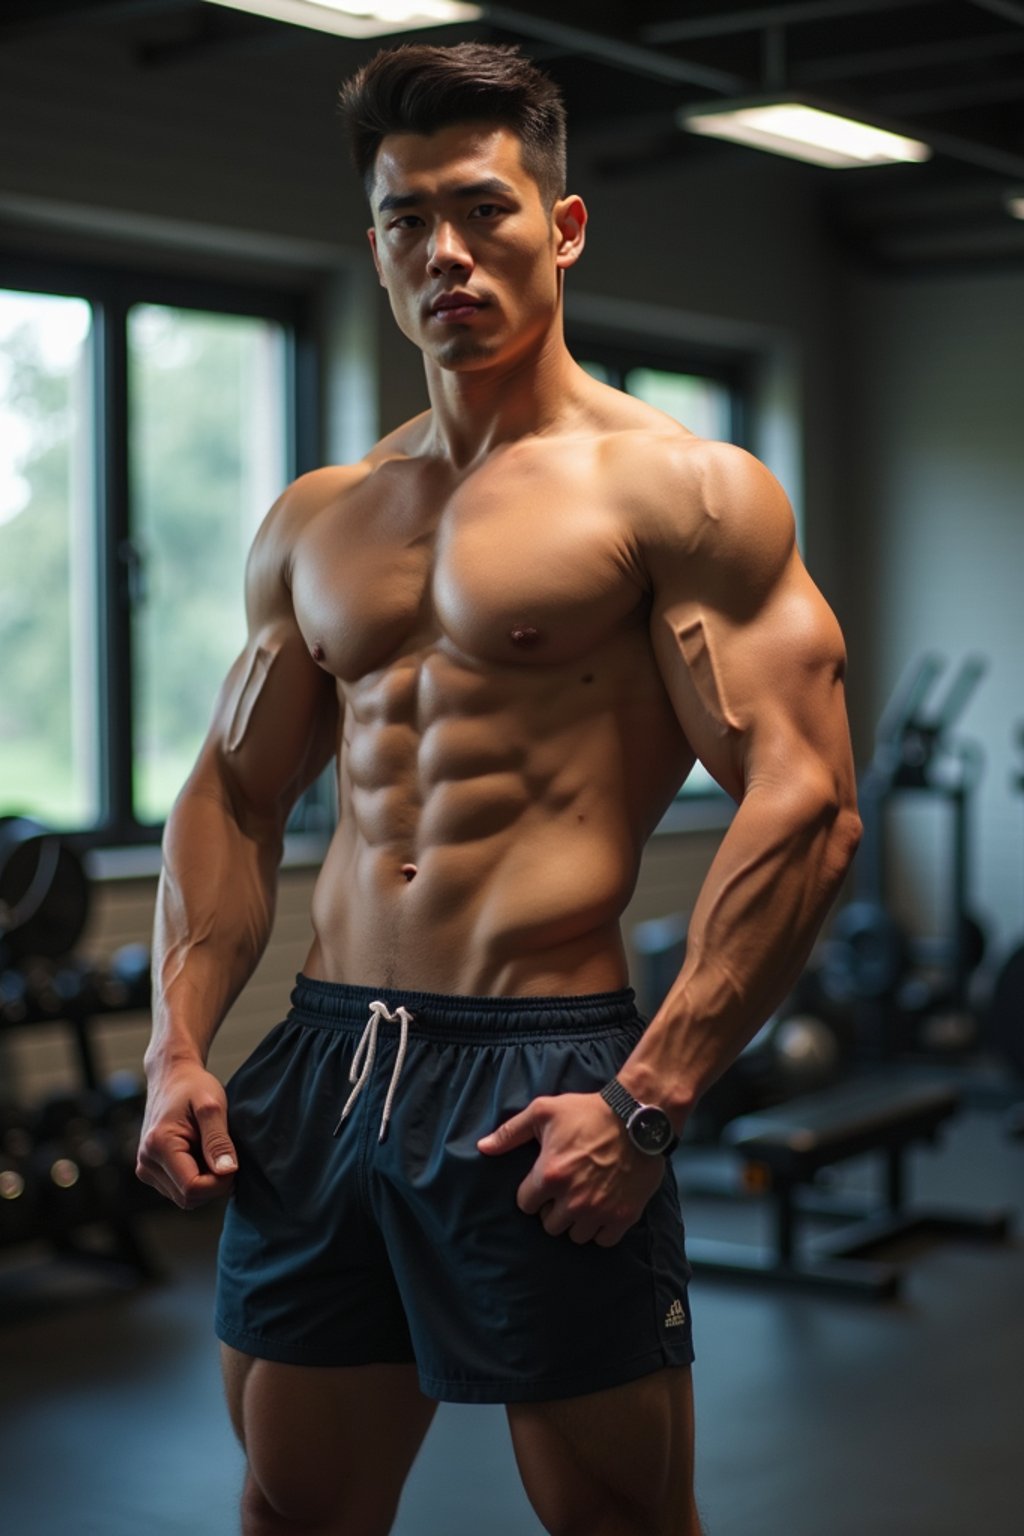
point(409, 871)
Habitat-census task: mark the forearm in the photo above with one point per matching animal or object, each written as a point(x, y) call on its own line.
point(772, 882)
point(215, 906)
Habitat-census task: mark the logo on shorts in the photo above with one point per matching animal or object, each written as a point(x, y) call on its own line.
point(675, 1317)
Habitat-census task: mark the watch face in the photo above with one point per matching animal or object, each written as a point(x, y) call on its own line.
point(651, 1129)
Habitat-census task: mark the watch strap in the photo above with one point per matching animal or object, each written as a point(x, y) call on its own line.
point(620, 1099)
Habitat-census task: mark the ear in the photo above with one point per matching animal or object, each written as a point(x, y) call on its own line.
point(371, 235)
point(570, 219)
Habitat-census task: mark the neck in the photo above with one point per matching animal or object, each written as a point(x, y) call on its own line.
point(476, 410)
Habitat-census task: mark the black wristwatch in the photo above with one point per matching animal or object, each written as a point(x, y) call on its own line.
point(650, 1129)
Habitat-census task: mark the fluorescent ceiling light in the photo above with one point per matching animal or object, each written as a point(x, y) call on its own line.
point(1015, 205)
point(360, 18)
point(803, 132)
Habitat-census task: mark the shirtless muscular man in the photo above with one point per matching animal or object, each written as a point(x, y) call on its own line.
point(514, 625)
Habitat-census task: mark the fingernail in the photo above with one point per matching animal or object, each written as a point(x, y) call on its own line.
point(224, 1164)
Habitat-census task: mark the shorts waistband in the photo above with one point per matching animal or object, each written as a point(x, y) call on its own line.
point(476, 1020)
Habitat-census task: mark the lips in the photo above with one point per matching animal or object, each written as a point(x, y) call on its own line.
point(456, 306)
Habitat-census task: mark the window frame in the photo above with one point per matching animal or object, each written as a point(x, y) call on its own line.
point(112, 290)
point(734, 370)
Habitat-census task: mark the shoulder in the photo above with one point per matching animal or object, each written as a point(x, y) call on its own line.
point(708, 511)
point(268, 570)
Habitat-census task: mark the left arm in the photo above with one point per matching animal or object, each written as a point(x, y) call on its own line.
point(753, 661)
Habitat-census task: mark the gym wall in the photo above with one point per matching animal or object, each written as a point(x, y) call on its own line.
point(932, 536)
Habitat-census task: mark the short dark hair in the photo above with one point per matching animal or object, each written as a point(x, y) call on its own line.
point(418, 88)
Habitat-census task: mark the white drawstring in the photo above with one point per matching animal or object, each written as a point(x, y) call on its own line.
point(362, 1061)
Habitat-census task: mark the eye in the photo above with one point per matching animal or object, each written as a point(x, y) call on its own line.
point(487, 211)
point(405, 221)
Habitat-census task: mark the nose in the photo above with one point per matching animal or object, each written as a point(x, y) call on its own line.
point(447, 251)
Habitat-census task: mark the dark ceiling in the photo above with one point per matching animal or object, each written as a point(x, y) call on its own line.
point(948, 71)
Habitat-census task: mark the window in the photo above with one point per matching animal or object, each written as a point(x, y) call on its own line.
point(47, 603)
point(708, 394)
point(146, 426)
point(204, 465)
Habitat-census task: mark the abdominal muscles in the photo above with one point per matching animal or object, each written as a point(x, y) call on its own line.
point(491, 825)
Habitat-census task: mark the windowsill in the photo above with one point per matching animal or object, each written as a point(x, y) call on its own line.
point(302, 850)
point(305, 850)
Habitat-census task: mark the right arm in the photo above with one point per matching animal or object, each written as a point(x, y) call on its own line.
point(275, 726)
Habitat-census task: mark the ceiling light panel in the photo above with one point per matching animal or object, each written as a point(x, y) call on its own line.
point(804, 132)
point(371, 18)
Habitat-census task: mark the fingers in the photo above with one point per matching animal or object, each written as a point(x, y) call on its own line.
point(185, 1151)
point(218, 1152)
point(517, 1131)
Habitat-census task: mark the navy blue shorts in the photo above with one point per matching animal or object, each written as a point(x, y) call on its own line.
point(348, 1250)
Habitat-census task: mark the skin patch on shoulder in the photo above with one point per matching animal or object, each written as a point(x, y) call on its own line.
point(695, 646)
point(253, 684)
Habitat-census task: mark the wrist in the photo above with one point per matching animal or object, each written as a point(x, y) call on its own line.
point(169, 1056)
point(675, 1098)
point(647, 1125)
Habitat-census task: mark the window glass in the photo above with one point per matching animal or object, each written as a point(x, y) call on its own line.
point(207, 459)
point(48, 622)
point(702, 404)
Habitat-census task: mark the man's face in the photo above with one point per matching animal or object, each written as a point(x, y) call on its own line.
point(464, 245)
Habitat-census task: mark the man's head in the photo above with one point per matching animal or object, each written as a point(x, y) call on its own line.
point(419, 89)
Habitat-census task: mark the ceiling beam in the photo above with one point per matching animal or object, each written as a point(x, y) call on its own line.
point(616, 52)
point(1009, 10)
point(951, 98)
point(788, 13)
point(27, 16)
point(915, 56)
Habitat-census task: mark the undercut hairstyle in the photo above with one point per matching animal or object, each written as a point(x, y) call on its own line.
point(418, 88)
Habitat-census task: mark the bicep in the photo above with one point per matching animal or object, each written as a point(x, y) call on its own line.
point(275, 723)
point(277, 716)
point(759, 693)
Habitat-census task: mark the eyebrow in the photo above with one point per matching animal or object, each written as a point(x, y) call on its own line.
point(491, 186)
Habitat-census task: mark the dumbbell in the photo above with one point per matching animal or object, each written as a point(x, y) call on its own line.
point(14, 998)
point(125, 984)
point(74, 1161)
point(18, 1190)
point(67, 989)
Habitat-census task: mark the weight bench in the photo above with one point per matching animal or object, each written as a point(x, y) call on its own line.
point(785, 1148)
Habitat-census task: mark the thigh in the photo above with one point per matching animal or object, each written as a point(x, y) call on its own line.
point(327, 1444)
point(612, 1463)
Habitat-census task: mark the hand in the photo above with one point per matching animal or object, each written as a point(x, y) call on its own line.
point(185, 1151)
point(588, 1180)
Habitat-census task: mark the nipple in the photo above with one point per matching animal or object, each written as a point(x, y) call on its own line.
point(317, 651)
point(524, 636)
point(408, 870)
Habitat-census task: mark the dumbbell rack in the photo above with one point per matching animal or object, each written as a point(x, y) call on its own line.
point(67, 1178)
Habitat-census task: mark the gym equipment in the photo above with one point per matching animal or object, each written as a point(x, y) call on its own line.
point(67, 1168)
point(18, 1195)
point(44, 892)
point(896, 986)
point(1005, 1020)
point(126, 984)
point(784, 1149)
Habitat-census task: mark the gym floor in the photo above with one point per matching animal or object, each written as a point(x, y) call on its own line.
point(816, 1416)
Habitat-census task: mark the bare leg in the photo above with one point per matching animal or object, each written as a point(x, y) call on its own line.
point(328, 1448)
point(612, 1463)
